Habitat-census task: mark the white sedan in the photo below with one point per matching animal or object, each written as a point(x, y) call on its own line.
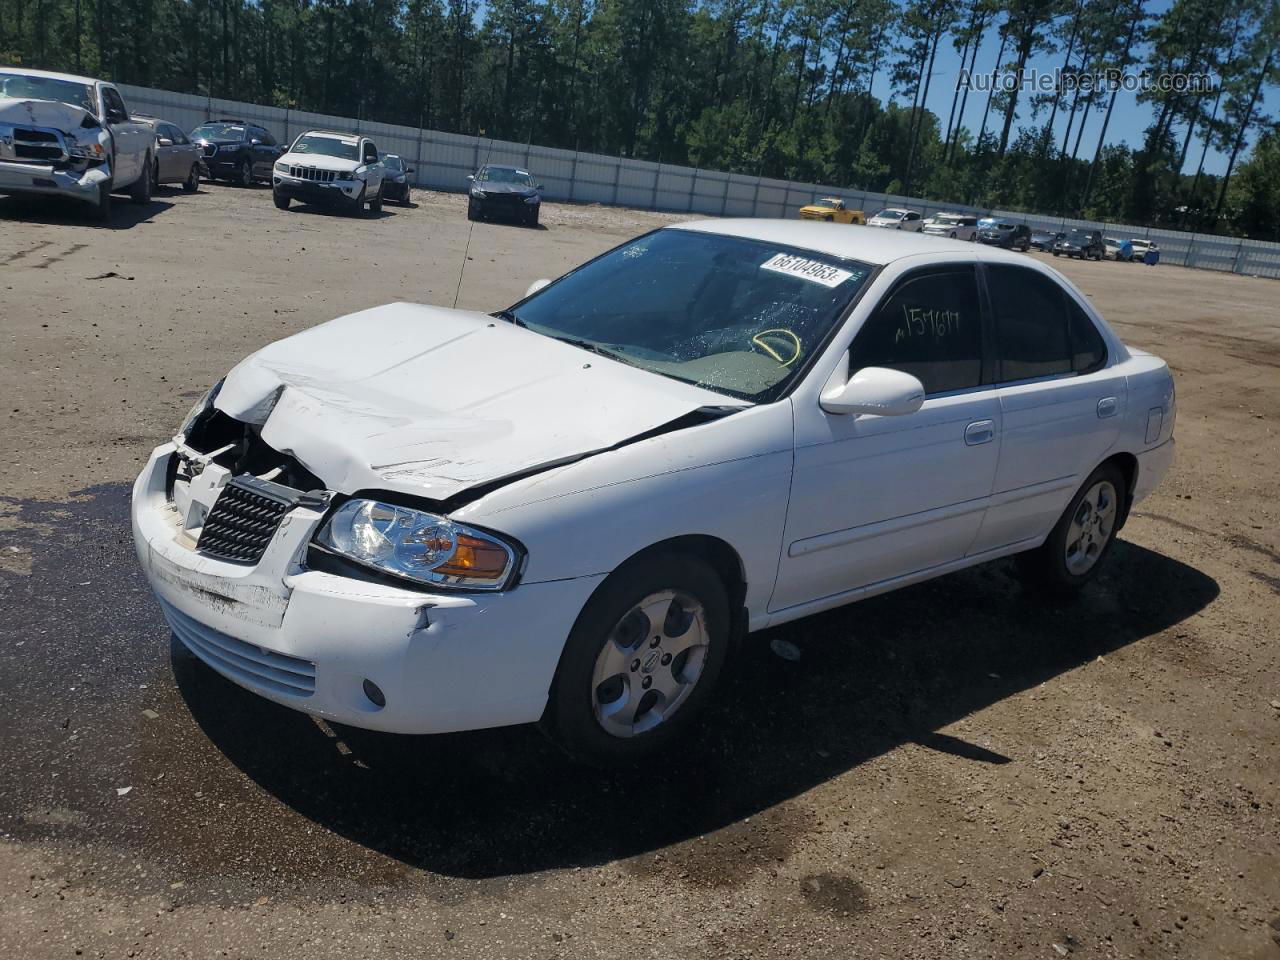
point(573, 511)
point(897, 218)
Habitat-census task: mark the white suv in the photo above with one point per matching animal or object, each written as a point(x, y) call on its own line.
point(333, 168)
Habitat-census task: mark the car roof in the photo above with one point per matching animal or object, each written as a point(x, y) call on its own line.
point(50, 75)
point(332, 135)
point(855, 243)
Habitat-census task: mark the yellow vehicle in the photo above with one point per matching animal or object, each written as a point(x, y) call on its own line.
point(832, 210)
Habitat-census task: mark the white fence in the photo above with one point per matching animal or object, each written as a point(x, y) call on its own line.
point(442, 161)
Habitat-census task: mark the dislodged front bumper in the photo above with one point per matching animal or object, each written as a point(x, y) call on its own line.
point(342, 192)
point(309, 639)
point(42, 178)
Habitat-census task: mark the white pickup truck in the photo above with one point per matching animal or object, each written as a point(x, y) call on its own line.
point(71, 136)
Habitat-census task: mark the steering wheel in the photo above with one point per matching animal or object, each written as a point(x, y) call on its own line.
point(778, 335)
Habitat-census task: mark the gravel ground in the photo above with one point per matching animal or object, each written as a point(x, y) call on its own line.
point(953, 770)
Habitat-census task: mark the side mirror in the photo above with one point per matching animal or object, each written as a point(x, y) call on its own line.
point(164, 142)
point(408, 170)
point(540, 187)
point(471, 176)
point(536, 286)
point(876, 390)
point(255, 142)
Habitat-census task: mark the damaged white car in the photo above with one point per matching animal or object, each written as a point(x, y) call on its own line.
point(69, 136)
point(420, 520)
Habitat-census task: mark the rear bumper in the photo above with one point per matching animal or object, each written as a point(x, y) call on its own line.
point(37, 178)
point(1153, 464)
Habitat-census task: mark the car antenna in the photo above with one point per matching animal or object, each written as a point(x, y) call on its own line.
point(471, 226)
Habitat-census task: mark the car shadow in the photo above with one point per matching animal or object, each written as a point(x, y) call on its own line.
point(59, 211)
point(870, 677)
point(329, 210)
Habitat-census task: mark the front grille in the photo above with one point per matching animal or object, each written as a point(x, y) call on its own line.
point(311, 173)
point(210, 149)
point(244, 519)
point(31, 144)
point(242, 662)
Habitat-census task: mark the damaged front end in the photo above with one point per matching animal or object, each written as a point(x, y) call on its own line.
point(53, 148)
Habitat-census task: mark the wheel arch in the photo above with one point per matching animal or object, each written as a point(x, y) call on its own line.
point(1127, 463)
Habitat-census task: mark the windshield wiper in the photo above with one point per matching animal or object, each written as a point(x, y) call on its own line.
point(510, 317)
point(595, 348)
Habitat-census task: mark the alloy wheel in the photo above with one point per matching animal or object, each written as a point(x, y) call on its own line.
point(649, 664)
point(1091, 527)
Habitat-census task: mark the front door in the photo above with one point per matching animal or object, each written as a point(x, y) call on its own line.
point(874, 498)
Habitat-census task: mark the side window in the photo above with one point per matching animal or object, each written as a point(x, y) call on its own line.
point(1088, 349)
point(930, 327)
point(1030, 323)
point(114, 103)
point(913, 216)
point(262, 134)
point(370, 153)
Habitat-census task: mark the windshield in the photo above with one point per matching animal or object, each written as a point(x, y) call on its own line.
point(347, 148)
point(827, 202)
point(22, 87)
point(891, 214)
point(1078, 236)
point(218, 131)
point(947, 218)
point(1000, 226)
point(505, 175)
point(392, 162)
point(736, 316)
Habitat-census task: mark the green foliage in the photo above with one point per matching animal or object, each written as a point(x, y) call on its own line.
point(779, 88)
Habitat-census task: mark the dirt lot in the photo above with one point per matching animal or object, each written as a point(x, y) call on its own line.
point(954, 770)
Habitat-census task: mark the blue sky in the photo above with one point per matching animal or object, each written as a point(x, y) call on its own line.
point(1128, 121)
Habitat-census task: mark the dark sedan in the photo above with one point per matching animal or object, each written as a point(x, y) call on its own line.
point(1005, 233)
point(237, 151)
point(1045, 239)
point(506, 192)
point(1085, 244)
point(395, 181)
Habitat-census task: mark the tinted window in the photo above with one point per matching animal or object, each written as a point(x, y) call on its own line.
point(370, 153)
point(1030, 323)
point(113, 102)
point(265, 137)
point(929, 327)
point(1089, 351)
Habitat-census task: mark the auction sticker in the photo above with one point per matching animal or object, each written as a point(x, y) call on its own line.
point(813, 270)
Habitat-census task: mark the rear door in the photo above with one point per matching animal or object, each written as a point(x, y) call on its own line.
point(1061, 406)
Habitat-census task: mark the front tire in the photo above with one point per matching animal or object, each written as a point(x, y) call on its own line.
point(192, 183)
point(245, 174)
point(1073, 552)
point(641, 661)
point(375, 205)
point(103, 211)
point(280, 200)
point(140, 192)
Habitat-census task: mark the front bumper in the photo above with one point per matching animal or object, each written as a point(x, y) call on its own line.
point(340, 192)
point(308, 640)
point(501, 206)
point(39, 178)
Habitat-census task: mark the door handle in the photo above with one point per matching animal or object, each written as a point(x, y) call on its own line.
point(1108, 407)
point(980, 431)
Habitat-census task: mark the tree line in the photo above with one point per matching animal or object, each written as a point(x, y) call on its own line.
point(780, 88)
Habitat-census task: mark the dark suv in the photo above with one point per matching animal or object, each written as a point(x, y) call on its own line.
point(1081, 243)
point(237, 151)
point(1005, 233)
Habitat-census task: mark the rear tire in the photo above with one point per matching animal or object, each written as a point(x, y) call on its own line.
point(1074, 551)
point(140, 192)
point(610, 708)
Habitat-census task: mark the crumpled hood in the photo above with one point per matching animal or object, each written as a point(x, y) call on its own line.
point(431, 401)
point(42, 113)
point(320, 161)
point(493, 186)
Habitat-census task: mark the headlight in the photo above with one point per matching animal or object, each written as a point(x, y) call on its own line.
point(418, 546)
point(202, 406)
point(532, 199)
point(86, 150)
point(477, 193)
point(282, 168)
